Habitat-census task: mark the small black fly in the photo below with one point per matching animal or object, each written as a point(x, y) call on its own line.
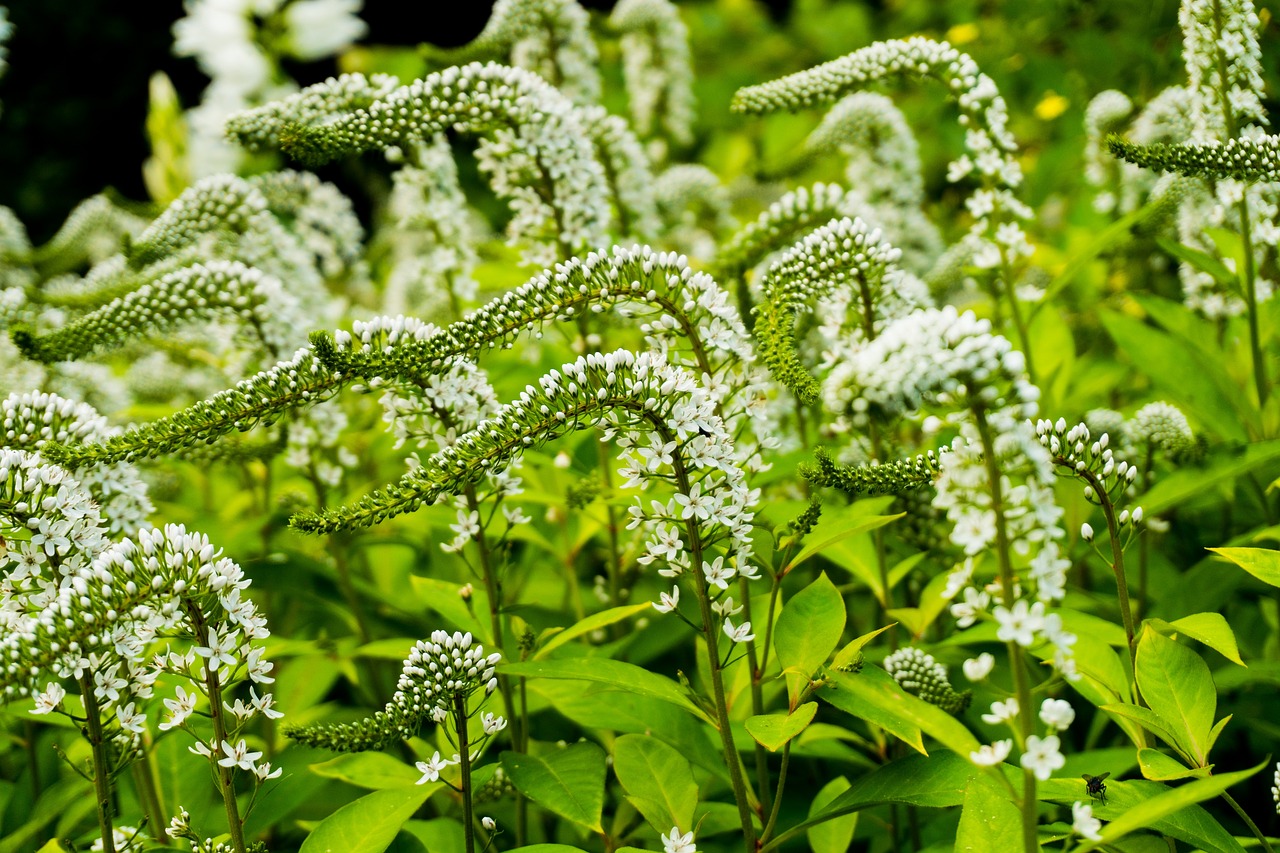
point(1095, 787)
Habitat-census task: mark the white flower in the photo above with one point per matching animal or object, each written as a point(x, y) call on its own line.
point(717, 574)
point(318, 28)
point(669, 600)
point(488, 823)
point(48, 700)
point(740, 634)
point(264, 772)
point(674, 842)
point(430, 770)
point(1057, 714)
point(1001, 712)
point(238, 755)
point(1083, 823)
point(1019, 624)
point(991, 754)
point(1042, 756)
point(1086, 532)
point(976, 669)
point(493, 723)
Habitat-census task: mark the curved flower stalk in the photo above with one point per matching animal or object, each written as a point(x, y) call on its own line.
point(260, 128)
point(222, 204)
point(656, 67)
point(626, 168)
point(318, 215)
point(538, 152)
point(1243, 159)
point(551, 38)
point(429, 239)
point(92, 232)
point(188, 295)
point(781, 224)
point(998, 241)
point(876, 478)
point(31, 420)
point(843, 254)
point(694, 208)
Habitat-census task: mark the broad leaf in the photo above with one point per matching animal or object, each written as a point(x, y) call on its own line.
point(875, 688)
point(369, 824)
point(885, 718)
point(807, 632)
point(569, 782)
point(593, 622)
point(1262, 563)
point(658, 781)
point(989, 822)
point(375, 770)
point(619, 674)
point(849, 654)
point(836, 834)
point(1148, 719)
point(1176, 684)
point(1221, 465)
point(1159, 767)
point(1208, 628)
point(772, 731)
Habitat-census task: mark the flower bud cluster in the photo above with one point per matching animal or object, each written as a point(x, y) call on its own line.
point(1076, 454)
point(876, 478)
point(883, 155)
point(1107, 113)
point(1244, 159)
point(1161, 426)
point(319, 217)
point(656, 68)
point(778, 226)
point(438, 673)
point(261, 128)
point(222, 204)
point(919, 674)
point(91, 233)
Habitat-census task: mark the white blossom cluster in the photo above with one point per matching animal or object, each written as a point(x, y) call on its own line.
point(919, 674)
point(30, 420)
point(1093, 462)
point(1162, 426)
point(1224, 64)
point(1107, 112)
point(318, 216)
point(260, 128)
point(656, 67)
point(314, 446)
point(437, 673)
point(1275, 788)
point(627, 169)
point(694, 207)
point(238, 44)
point(778, 226)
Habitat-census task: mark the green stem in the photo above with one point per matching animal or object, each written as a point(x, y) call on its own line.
point(464, 756)
point(777, 801)
point(1253, 827)
point(101, 767)
point(144, 781)
point(757, 695)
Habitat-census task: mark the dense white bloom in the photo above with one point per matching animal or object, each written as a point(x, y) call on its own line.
point(1042, 756)
point(1020, 623)
point(318, 28)
point(48, 699)
point(1083, 823)
point(990, 754)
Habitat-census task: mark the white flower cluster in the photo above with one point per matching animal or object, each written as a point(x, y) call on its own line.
point(1224, 65)
point(238, 44)
point(656, 67)
point(30, 420)
point(694, 206)
point(470, 524)
point(778, 226)
point(1107, 112)
point(1162, 426)
point(1076, 454)
point(626, 167)
point(315, 447)
point(1275, 788)
point(318, 216)
point(260, 128)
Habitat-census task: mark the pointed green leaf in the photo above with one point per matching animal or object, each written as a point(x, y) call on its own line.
point(658, 781)
point(369, 824)
point(807, 632)
point(1148, 719)
point(836, 526)
point(1159, 767)
point(619, 674)
point(569, 782)
point(1176, 684)
point(836, 834)
point(375, 770)
point(1262, 563)
point(1220, 465)
point(772, 731)
point(849, 654)
point(1208, 628)
point(593, 622)
point(873, 688)
point(989, 823)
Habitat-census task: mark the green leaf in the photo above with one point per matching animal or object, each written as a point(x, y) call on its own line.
point(369, 824)
point(1208, 628)
point(1145, 813)
point(1176, 684)
point(1159, 767)
point(807, 632)
point(849, 654)
point(1148, 719)
point(442, 597)
point(624, 676)
point(1222, 465)
point(836, 526)
point(773, 730)
point(873, 688)
point(989, 823)
point(834, 835)
point(375, 770)
point(569, 782)
point(1201, 260)
point(593, 622)
point(658, 780)
point(1262, 563)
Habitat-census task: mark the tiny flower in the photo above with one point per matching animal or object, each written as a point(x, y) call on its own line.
point(991, 754)
point(493, 723)
point(669, 600)
point(238, 755)
point(976, 669)
point(1042, 756)
point(717, 574)
point(1020, 623)
point(430, 770)
point(1083, 823)
point(674, 842)
point(488, 823)
point(264, 772)
point(740, 634)
point(1001, 712)
point(466, 591)
point(180, 708)
point(1086, 532)
point(49, 699)
point(1057, 714)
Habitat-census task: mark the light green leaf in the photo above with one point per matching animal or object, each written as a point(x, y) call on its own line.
point(1208, 628)
point(624, 676)
point(834, 835)
point(849, 654)
point(989, 823)
point(1176, 684)
point(569, 782)
point(1221, 465)
point(1159, 767)
point(369, 824)
point(807, 632)
point(1145, 813)
point(836, 526)
point(1262, 563)
point(873, 688)
point(443, 598)
point(658, 780)
point(374, 770)
point(593, 622)
point(1148, 719)
point(772, 731)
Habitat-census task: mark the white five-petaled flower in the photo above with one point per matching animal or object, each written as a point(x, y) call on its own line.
point(493, 723)
point(180, 707)
point(1083, 823)
point(1057, 714)
point(220, 649)
point(674, 842)
point(992, 753)
point(669, 600)
point(431, 769)
point(1042, 756)
point(238, 755)
point(740, 634)
point(264, 772)
point(717, 574)
point(1021, 623)
point(1001, 712)
point(49, 699)
point(976, 669)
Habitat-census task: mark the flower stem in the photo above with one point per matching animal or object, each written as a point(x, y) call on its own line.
point(1253, 827)
point(101, 767)
point(464, 756)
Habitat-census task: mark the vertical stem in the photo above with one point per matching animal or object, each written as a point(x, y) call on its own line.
point(1244, 816)
point(1022, 686)
point(757, 696)
point(101, 766)
point(144, 781)
point(226, 781)
point(777, 803)
point(1024, 336)
point(464, 756)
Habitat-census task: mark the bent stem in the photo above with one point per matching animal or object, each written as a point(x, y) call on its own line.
point(1244, 816)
